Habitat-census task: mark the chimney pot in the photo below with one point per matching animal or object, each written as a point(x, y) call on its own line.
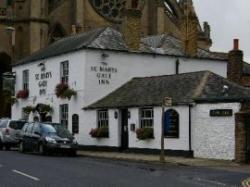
point(236, 44)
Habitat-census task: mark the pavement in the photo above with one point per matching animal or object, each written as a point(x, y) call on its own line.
point(181, 161)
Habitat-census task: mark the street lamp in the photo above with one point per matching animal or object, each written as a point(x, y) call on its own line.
point(9, 81)
point(166, 102)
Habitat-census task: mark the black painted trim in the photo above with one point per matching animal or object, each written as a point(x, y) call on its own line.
point(181, 153)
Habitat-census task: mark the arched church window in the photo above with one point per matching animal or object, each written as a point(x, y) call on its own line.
point(111, 10)
point(171, 124)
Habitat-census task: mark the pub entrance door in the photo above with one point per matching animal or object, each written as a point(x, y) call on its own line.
point(124, 129)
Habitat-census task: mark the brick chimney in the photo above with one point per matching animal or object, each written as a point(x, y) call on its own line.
point(235, 63)
point(189, 29)
point(131, 26)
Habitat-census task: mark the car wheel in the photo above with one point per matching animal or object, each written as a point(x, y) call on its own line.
point(72, 153)
point(41, 149)
point(21, 147)
point(7, 147)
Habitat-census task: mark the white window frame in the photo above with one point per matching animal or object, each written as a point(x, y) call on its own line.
point(64, 115)
point(64, 71)
point(26, 79)
point(147, 121)
point(102, 118)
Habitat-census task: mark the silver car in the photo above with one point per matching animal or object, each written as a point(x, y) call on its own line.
point(10, 132)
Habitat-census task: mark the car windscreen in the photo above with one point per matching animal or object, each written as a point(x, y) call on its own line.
point(48, 129)
point(3, 123)
point(17, 125)
point(62, 131)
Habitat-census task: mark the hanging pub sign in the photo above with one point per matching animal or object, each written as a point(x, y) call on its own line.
point(221, 112)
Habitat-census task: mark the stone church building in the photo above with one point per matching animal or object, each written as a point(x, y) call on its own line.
point(27, 26)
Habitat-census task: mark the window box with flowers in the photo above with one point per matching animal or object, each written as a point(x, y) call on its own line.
point(63, 91)
point(145, 133)
point(28, 109)
point(101, 132)
point(22, 94)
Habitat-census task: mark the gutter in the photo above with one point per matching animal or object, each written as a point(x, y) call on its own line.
point(190, 127)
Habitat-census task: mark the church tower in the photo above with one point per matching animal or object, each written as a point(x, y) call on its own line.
point(31, 26)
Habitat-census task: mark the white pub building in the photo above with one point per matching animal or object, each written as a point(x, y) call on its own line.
point(111, 98)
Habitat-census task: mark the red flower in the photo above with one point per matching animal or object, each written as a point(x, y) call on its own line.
point(22, 94)
point(60, 89)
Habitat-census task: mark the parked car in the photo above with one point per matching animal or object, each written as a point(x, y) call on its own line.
point(47, 138)
point(10, 132)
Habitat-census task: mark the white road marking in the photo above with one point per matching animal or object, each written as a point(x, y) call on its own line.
point(211, 182)
point(26, 175)
point(1, 165)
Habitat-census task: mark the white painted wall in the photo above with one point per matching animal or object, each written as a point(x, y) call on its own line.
point(181, 143)
point(85, 82)
point(90, 122)
point(213, 137)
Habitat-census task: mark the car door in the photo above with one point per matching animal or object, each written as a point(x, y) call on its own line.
point(27, 137)
point(36, 136)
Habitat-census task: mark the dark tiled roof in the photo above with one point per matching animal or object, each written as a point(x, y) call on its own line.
point(110, 39)
point(102, 38)
point(183, 89)
point(246, 68)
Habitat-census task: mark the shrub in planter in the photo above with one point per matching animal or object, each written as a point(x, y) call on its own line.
point(28, 109)
point(63, 91)
point(145, 133)
point(22, 94)
point(44, 108)
point(102, 132)
point(68, 93)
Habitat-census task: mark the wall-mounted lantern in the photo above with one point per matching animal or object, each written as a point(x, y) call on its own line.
point(116, 115)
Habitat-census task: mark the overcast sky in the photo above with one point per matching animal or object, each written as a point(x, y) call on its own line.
point(228, 19)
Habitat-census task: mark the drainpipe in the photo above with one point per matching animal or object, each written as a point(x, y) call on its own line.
point(190, 128)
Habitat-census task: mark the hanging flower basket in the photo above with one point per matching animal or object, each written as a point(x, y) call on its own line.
point(102, 132)
point(43, 108)
point(22, 94)
point(145, 133)
point(63, 91)
point(28, 109)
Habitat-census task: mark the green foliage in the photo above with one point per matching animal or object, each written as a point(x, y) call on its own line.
point(102, 132)
point(145, 133)
point(28, 109)
point(63, 91)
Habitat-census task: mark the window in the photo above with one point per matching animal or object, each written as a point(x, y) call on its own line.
point(171, 124)
point(65, 72)
point(147, 117)
point(64, 115)
point(103, 119)
point(30, 128)
point(26, 80)
point(75, 123)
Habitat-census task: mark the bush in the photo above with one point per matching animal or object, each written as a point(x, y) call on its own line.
point(102, 132)
point(145, 133)
point(22, 94)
